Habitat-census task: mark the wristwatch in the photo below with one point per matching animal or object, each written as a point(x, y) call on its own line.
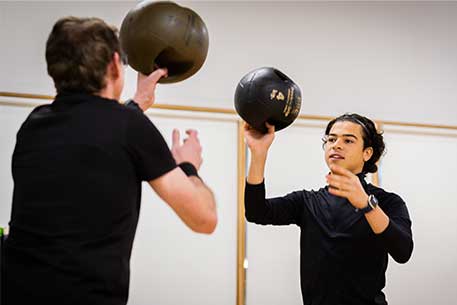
point(132, 104)
point(371, 204)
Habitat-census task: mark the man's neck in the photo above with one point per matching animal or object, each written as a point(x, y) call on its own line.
point(108, 93)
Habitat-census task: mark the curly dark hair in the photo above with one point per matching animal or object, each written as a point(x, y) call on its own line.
point(371, 138)
point(78, 51)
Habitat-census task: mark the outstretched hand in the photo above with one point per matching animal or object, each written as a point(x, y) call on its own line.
point(189, 151)
point(146, 85)
point(344, 183)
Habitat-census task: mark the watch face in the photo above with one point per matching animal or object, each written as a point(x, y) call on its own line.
point(373, 201)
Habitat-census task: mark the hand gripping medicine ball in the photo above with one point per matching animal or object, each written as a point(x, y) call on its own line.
point(267, 95)
point(162, 34)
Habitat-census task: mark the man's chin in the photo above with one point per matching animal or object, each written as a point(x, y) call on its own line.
point(339, 162)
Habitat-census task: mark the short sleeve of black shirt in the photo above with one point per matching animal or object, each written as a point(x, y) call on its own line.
point(149, 151)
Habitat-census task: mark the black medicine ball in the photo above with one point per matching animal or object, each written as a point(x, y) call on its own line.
point(162, 34)
point(267, 95)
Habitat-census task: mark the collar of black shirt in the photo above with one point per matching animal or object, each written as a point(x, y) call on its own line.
point(75, 97)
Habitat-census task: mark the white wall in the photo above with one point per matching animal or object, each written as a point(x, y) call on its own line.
point(11, 119)
point(170, 263)
point(421, 166)
point(295, 162)
point(389, 60)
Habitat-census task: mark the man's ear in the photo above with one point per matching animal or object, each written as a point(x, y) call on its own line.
point(367, 153)
point(115, 66)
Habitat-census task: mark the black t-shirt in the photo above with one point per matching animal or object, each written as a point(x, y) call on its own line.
point(77, 167)
point(342, 261)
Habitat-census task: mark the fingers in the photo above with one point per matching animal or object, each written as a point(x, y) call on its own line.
point(193, 135)
point(337, 185)
point(192, 132)
point(157, 75)
point(248, 129)
point(271, 128)
point(337, 192)
point(344, 185)
point(340, 182)
point(175, 138)
point(333, 182)
point(336, 169)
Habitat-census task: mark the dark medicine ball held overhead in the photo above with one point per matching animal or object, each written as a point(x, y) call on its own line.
point(164, 35)
point(266, 95)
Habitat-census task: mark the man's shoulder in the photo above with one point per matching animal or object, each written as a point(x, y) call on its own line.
point(39, 112)
point(40, 109)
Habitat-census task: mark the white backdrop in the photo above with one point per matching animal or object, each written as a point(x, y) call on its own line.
point(11, 119)
point(388, 60)
point(421, 166)
point(171, 264)
point(295, 162)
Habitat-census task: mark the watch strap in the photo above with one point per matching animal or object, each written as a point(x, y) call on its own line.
point(371, 205)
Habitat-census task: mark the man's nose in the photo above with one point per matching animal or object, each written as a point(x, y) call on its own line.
point(337, 144)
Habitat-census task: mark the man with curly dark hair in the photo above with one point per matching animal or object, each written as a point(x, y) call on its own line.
point(349, 227)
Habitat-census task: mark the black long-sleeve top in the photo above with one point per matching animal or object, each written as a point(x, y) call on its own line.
point(342, 261)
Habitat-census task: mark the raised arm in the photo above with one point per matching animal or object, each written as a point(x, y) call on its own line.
point(258, 144)
point(258, 209)
point(392, 226)
point(183, 189)
point(254, 194)
point(180, 188)
point(190, 198)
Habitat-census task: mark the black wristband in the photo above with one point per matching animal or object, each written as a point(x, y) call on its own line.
point(132, 104)
point(189, 169)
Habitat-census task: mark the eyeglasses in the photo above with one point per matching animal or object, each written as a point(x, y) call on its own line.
point(329, 140)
